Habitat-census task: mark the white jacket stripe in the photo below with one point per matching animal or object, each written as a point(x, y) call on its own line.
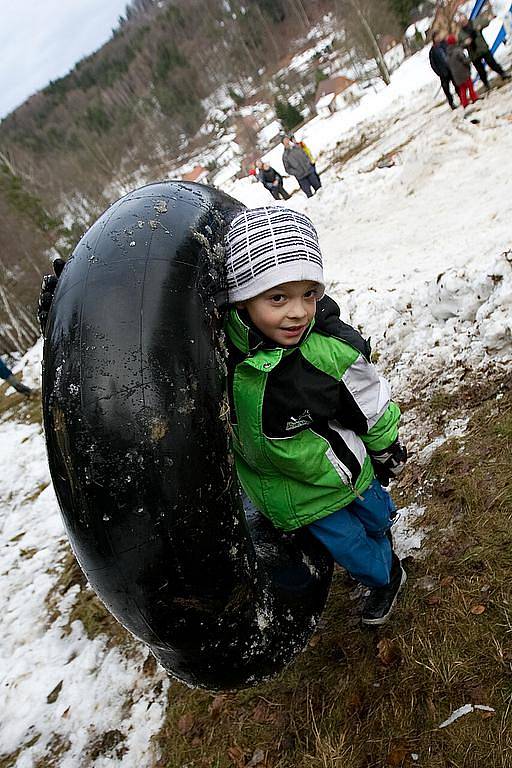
point(351, 440)
point(370, 391)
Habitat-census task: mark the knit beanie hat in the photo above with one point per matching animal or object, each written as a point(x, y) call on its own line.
point(268, 246)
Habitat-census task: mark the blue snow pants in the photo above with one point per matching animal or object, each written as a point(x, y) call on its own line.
point(356, 536)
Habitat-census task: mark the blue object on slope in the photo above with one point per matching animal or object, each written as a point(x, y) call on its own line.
point(5, 372)
point(501, 36)
point(477, 8)
point(499, 39)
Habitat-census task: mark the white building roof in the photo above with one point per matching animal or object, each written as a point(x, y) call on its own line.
point(269, 132)
point(325, 100)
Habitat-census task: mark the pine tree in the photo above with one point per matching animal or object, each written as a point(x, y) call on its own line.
point(402, 10)
point(287, 114)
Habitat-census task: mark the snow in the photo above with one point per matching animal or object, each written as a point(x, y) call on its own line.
point(407, 535)
point(422, 26)
point(465, 710)
point(269, 132)
point(416, 254)
point(102, 688)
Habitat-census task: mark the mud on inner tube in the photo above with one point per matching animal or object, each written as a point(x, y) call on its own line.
point(137, 432)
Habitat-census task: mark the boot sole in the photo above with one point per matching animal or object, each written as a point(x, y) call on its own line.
point(383, 619)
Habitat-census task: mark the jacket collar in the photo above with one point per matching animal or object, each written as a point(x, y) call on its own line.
point(249, 339)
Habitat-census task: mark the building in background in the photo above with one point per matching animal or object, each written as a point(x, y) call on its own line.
point(335, 93)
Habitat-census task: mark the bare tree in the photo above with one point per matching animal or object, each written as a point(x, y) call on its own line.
point(364, 22)
point(444, 19)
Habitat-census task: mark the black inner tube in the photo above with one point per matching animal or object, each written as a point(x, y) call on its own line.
point(138, 437)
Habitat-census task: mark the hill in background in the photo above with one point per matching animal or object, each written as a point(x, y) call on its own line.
point(177, 78)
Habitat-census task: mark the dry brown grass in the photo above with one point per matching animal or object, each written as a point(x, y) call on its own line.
point(370, 699)
point(19, 407)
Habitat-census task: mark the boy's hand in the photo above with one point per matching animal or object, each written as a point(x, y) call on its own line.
point(388, 464)
point(48, 286)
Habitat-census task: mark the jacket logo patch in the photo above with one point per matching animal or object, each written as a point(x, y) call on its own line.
point(296, 422)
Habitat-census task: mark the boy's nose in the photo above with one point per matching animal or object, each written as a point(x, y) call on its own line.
point(297, 310)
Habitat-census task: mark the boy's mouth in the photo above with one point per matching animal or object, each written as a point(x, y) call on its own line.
point(293, 330)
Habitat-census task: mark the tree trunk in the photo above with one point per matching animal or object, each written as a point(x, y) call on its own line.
point(379, 58)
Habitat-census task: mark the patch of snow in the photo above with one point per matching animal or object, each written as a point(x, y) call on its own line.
point(407, 536)
point(455, 428)
point(465, 710)
point(101, 688)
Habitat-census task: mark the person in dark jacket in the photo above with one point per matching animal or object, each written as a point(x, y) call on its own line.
point(297, 163)
point(271, 180)
point(8, 376)
point(439, 63)
point(471, 38)
point(314, 429)
point(460, 67)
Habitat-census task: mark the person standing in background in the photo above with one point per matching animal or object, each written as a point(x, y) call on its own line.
point(460, 67)
point(271, 180)
point(8, 376)
point(471, 38)
point(439, 63)
point(297, 163)
point(306, 149)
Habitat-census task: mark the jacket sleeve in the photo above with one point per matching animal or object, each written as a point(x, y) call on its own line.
point(365, 405)
point(286, 163)
point(481, 23)
point(462, 36)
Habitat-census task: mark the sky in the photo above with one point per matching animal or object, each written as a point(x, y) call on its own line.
point(41, 40)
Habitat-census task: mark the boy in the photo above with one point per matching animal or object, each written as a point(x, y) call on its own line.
point(312, 420)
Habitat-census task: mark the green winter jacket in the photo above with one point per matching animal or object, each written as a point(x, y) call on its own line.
point(304, 417)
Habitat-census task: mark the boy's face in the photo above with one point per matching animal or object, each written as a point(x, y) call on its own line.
point(284, 313)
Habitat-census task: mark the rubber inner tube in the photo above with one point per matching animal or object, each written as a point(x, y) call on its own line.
point(138, 436)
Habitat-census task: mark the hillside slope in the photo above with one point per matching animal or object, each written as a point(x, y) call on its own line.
point(418, 256)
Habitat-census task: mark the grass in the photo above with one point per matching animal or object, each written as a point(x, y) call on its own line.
point(86, 608)
point(375, 698)
point(19, 407)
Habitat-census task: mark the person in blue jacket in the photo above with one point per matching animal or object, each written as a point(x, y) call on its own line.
point(439, 63)
point(7, 374)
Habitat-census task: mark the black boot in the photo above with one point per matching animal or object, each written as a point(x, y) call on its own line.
point(381, 600)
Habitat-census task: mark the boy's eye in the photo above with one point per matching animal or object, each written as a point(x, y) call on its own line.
point(313, 293)
point(277, 298)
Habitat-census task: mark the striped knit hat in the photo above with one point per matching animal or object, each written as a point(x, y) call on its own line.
point(269, 246)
